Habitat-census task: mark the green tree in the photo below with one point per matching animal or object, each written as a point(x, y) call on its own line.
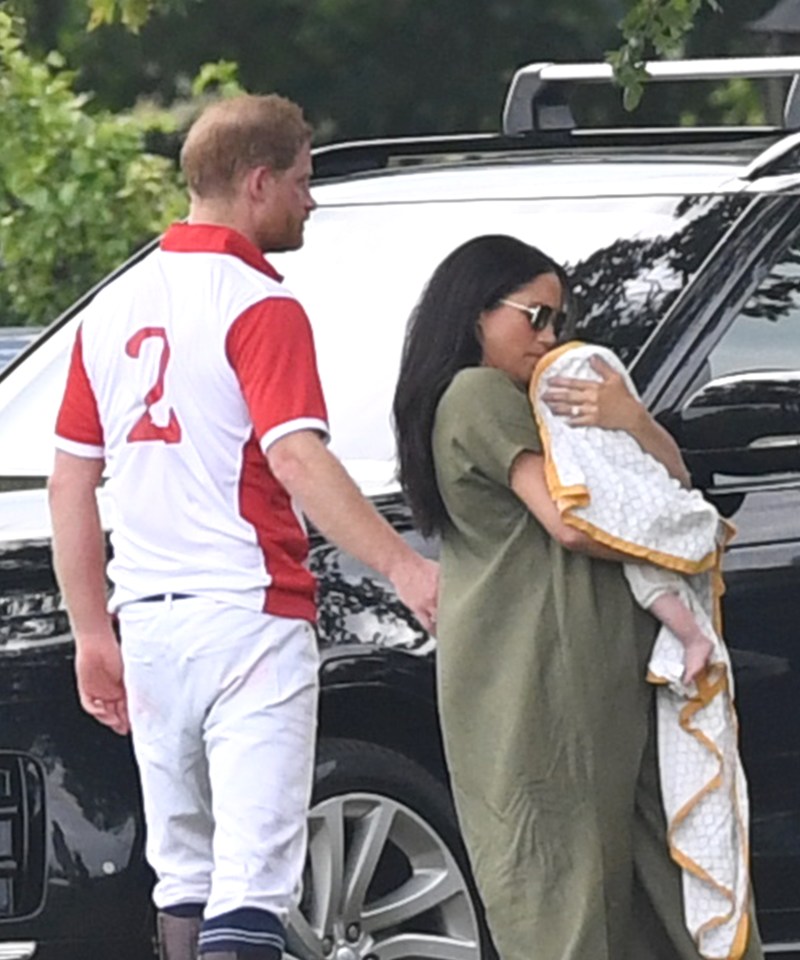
point(650, 27)
point(132, 13)
point(78, 192)
point(394, 67)
point(360, 68)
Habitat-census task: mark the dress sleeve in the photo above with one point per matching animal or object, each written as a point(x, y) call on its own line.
point(78, 427)
point(487, 421)
point(271, 349)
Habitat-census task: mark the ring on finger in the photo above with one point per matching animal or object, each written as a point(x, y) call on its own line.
point(575, 410)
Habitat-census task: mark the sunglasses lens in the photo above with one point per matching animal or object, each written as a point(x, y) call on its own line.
point(545, 316)
point(542, 317)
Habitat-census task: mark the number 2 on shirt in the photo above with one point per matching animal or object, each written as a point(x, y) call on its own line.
point(145, 428)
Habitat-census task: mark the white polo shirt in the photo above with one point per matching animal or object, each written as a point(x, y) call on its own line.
point(184, 371)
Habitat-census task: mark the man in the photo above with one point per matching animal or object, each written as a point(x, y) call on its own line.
point(193, 381)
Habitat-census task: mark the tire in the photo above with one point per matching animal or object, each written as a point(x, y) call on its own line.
point(386, 876)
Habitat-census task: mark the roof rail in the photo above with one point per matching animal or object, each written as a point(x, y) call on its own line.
point(534, 102)
point(775, 159)
point(334, 160)
point(358, 156)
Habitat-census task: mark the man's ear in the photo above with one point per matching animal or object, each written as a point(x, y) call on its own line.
point(259, 182)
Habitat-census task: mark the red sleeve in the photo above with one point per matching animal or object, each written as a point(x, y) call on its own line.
point(271, 348)
point(78, 418)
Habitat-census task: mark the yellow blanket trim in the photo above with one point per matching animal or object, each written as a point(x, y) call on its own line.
point(568, 498)
point(655, 679)
point(712, 683)
point(657, 557)
point(742, 934)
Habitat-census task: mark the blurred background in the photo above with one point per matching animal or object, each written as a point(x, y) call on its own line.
point(364, 68)
point(92, 119)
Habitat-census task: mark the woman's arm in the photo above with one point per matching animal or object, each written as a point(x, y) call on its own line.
point(660, 443)
point(529, 484)
point(609, 403)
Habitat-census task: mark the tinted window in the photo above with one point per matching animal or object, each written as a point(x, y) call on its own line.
point(624, 288)
point(765, 335)
point(13, 340)
point(364, 266)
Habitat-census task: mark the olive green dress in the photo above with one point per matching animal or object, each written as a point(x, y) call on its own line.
point(547, 717)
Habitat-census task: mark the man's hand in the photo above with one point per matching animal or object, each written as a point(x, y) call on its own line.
point(98, 668)
point(416, 581)
point(338, 509)
point(79, 555)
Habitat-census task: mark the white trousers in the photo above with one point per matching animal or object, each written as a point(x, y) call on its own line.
point(223, 705)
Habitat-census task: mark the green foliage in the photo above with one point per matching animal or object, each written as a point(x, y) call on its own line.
point(132, 13)
point(736, 102)
point(359, 68)
point(650, 27)
point(222, 77)
point(657, 26)
point(78, 193)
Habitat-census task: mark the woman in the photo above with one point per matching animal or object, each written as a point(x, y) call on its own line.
point(547, 719)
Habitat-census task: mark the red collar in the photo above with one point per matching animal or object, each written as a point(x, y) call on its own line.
point(210, 238)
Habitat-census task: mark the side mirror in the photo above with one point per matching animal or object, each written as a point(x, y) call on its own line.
point(744, 424)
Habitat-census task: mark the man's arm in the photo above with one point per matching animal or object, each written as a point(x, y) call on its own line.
point(335, 505)
point(79, 558)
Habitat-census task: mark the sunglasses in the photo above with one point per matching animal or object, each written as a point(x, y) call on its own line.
point(540, 316)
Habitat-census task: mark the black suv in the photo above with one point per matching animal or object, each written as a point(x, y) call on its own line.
point(684, 248)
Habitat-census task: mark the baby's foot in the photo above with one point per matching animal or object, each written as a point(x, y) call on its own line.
point(696, 654)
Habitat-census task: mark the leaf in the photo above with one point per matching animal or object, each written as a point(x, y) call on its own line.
point(657, 25)
point(101, 11)
point(222, 75)
point(133, 13)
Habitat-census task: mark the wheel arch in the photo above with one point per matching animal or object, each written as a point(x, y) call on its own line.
point(386, 697)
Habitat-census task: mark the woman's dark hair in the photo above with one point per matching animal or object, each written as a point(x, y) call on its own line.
point(441, 339)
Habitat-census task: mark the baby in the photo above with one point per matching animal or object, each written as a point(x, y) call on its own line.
point(605, 484)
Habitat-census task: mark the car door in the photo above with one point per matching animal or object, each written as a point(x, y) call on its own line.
point(725, 379)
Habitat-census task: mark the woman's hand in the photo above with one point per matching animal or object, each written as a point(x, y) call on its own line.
point(608, 403)
point(604, 403)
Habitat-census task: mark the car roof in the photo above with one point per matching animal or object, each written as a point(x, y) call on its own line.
point(477, 170)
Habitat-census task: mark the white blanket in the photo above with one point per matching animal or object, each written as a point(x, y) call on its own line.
point(606, 485)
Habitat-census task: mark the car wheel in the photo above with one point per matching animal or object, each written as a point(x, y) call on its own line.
point(386, 875)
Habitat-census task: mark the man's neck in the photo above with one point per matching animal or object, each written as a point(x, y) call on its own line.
point(222, 215)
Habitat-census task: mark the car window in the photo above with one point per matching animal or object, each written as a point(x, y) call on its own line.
point(13, 341)
point(750, 381)
point(364, 266)
point(625, 288)
point(765, 334)
point(29, 398)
